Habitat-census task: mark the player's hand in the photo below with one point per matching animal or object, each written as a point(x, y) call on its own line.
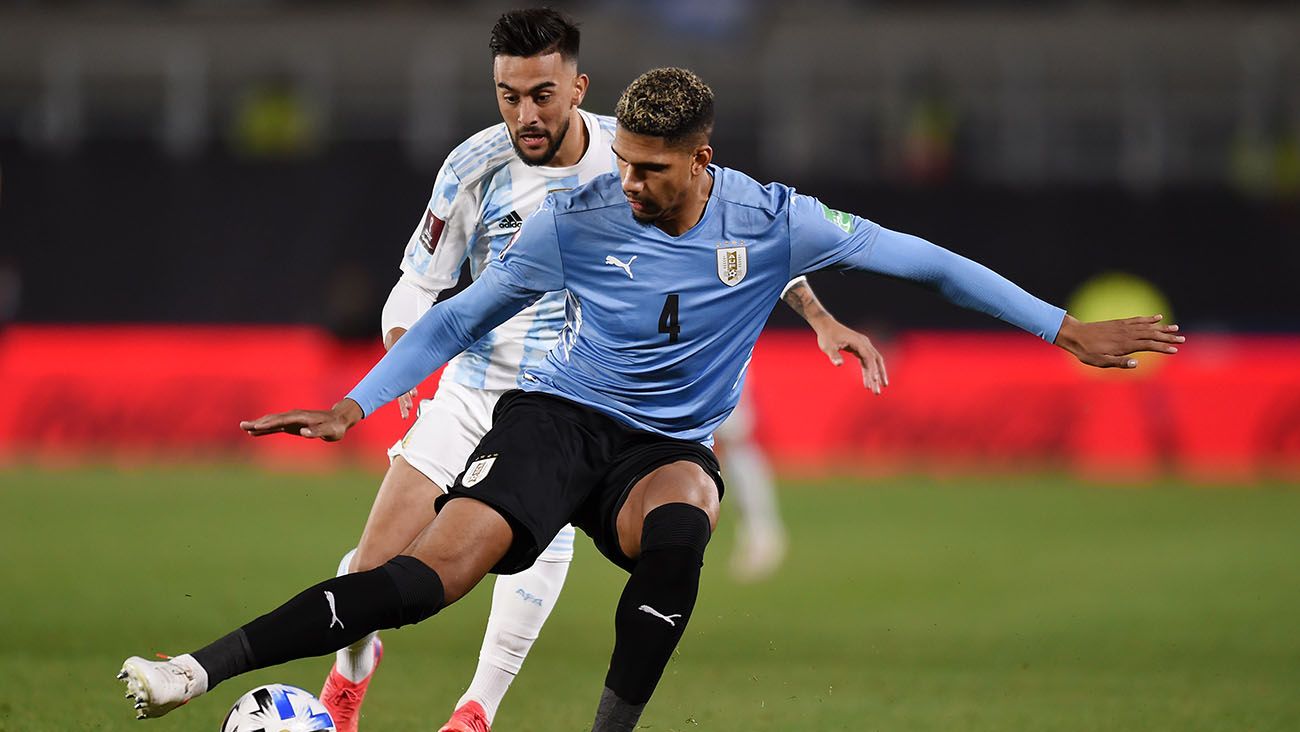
point(834, 337)
point(406, 401)
point(329, 426)
point(1108, 343)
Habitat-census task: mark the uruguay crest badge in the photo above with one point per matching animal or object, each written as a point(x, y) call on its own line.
point(733, 265)
point(477, 471)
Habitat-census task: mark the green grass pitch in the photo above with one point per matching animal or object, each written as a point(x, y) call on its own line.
point(975, 604)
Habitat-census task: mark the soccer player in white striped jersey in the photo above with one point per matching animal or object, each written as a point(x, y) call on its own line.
point(486, 188)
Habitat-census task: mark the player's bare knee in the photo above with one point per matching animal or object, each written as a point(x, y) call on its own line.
point(365, 558)
point(682, 482)
point(462, 545)
point(459, 573)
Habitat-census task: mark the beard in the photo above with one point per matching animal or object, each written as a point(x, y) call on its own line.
point(644, 217)
point(549, 153)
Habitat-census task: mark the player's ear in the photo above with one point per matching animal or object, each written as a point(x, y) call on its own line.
point(580, 83)
point(701, 158)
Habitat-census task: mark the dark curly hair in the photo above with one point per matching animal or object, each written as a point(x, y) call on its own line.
point(671, 103)
point(535, 32)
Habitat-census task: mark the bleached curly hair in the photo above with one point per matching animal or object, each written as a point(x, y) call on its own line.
point(671, 103)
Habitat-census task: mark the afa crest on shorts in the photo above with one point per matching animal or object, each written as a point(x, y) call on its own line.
point(478, 470)
point(733, 264)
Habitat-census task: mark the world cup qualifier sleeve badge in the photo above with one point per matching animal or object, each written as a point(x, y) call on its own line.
point(733, 264)
point(477, 471)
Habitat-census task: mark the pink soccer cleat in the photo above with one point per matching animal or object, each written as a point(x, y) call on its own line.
point(343, 697)
point(470, 717)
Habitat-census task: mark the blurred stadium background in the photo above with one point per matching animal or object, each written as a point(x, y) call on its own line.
point(202, 209)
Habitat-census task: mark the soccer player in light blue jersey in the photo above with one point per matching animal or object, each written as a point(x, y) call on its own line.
point(671, 268)
point(486, 187)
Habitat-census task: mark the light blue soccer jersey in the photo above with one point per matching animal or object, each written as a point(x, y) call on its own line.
point(481, 197)
point(660, 329)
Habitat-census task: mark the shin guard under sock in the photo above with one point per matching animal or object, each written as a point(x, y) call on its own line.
point(333, 614)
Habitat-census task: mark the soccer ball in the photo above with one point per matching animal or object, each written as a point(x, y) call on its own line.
point(278, 708)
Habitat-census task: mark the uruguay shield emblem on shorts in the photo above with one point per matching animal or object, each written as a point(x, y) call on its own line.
point(477, 471)
point(733, 265)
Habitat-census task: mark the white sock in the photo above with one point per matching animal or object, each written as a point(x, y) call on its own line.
point(520, 605)
point(750, 485)
point(357, 661)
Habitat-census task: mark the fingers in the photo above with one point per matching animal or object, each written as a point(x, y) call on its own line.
point(291, 422)
point(832, 351)
point(274, 422)
point(1155, 347)
point(869, 377)
point(406, 402)
point(249, 425)
point(263, 433)
point(1167, 336)
point(1113, 362)
point(867, 358)
point(873, 373)
point(1145, 319)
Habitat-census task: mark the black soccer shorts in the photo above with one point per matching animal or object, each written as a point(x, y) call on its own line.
point(548, 461)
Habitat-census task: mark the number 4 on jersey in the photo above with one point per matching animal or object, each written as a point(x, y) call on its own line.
point(668, 321)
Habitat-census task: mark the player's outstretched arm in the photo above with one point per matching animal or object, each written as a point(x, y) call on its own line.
point(1109, 343)
point(834, 337)
point(1103, 344)
point(447, 329)
point(506, 286)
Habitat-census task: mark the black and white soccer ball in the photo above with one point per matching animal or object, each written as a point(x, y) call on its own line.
point(278, 708)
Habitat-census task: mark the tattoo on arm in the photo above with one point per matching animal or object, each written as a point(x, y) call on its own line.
point(802, 300)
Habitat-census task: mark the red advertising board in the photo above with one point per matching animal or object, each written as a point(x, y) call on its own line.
point(1226, 408)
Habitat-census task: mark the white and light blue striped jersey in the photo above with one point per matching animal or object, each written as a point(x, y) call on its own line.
point(481, 197)
point(661, 328)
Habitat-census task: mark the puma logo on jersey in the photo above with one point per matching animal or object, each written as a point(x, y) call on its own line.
point(666, 618)
point(611, 259)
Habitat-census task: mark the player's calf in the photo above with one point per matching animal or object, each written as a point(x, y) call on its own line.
point(653, 611)
point(317, 621)
point(327, 617)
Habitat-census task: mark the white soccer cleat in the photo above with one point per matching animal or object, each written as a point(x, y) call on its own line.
point(758, 555)
point(160, 686)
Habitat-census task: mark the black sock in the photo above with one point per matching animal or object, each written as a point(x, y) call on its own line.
point(322, 619)
point(615, 715)
point(653, 611)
